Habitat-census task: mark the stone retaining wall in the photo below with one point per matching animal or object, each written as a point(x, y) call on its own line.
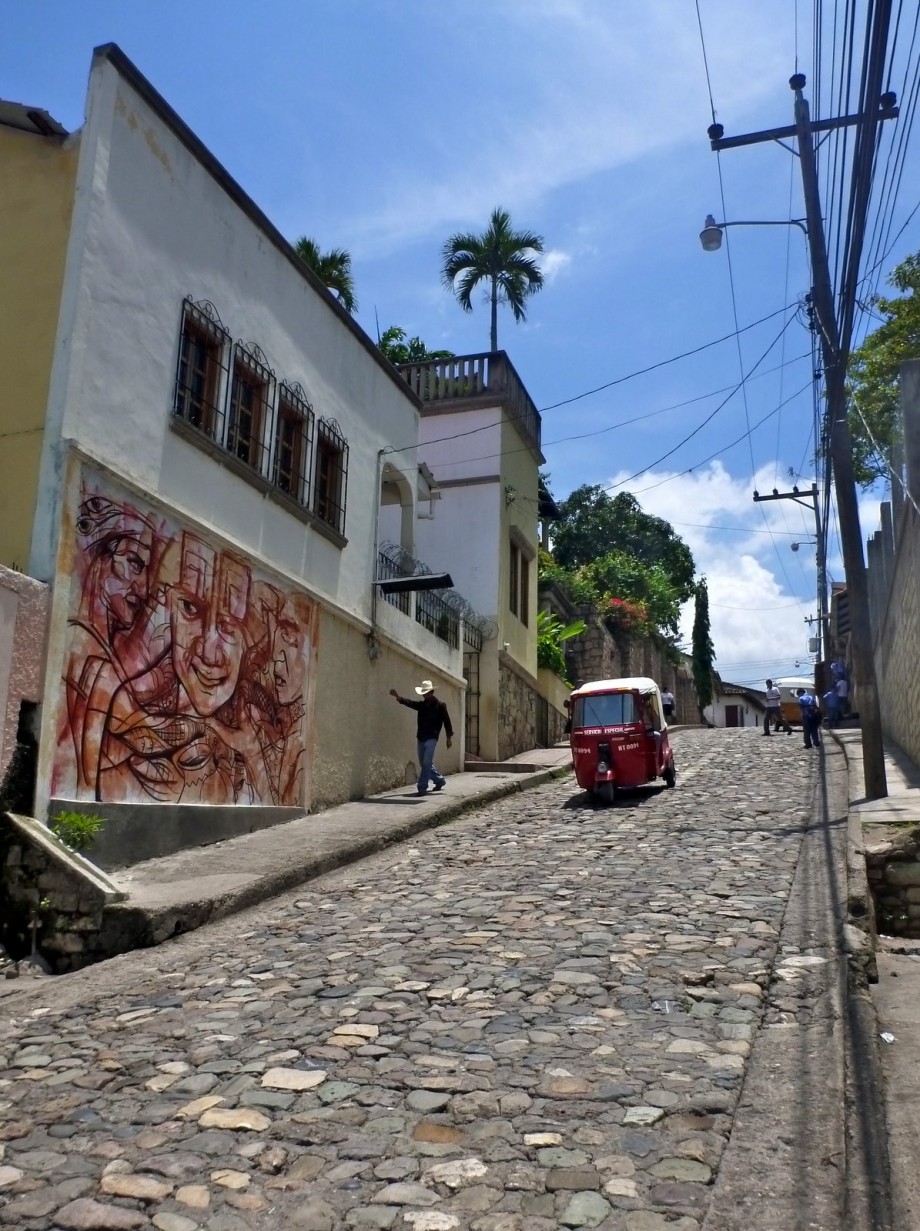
point(893, 871)
point(41, 880)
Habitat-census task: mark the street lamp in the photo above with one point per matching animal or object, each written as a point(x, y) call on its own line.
point(796, 546)
point(711, 234)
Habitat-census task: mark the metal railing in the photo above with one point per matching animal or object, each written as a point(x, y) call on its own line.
point(482, 376)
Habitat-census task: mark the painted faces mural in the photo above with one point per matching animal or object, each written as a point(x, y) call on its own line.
point(188, 678)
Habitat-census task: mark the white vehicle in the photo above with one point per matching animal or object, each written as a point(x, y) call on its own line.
point(789, 703)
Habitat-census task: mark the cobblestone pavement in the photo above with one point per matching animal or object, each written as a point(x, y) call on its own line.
point(536, 1017)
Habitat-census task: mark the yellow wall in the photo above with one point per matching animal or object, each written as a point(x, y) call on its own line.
point(37, 176)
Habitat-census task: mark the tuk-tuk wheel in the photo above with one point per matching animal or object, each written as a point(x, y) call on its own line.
point(670, 775)
point(607, 792)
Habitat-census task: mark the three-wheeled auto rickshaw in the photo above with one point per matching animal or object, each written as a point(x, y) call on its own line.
point(619, 737)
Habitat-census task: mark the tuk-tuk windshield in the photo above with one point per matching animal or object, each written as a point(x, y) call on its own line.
point(605, 709)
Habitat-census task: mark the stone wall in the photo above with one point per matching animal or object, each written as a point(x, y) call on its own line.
point(23, 630)
point(42, 882)
point(517, 713)
point(598, 655)
point(897, 640)
point(893, 871)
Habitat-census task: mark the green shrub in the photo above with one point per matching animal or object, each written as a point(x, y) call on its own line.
point(76, 829)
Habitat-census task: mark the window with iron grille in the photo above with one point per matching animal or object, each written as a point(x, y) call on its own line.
point(250, 397)
point(523, 611)
point(330, 474)
point(293, 432)
point(203, 348)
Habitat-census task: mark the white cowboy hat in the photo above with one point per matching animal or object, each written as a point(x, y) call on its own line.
point(424, 688)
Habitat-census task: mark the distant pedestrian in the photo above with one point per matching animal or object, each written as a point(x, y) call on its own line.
point(811, 717)
point(432, 716)
point(843, 696)
point(667, 704)
point(831, 704)
point(773, 712)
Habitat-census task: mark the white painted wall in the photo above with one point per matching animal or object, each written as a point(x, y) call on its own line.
point(152, 226)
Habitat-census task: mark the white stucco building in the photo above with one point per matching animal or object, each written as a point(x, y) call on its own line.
point(205, 498)
point(480, 436)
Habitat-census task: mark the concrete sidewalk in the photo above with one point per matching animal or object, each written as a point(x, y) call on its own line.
point(895, 997)
point(179, 892)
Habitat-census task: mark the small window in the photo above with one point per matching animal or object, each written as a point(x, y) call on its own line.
point(330, 474)
point(514, 579)
point(293, 429)
point(250, 395)
point(203, 347)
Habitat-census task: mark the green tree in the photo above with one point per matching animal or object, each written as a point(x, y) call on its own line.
point(592, 525)
point(703, 649)
point(333, 268)
point(872, 376)
point(551, 633)
point(502, 258)
point(398, 350)
point(622, 575)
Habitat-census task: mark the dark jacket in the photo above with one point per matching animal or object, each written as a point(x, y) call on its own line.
point(432, 716)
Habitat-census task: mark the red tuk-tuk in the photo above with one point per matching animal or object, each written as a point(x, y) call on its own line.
point(619, 737)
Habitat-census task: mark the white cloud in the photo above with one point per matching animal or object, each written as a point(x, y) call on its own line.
point(759, 591)
point(553, 263)
point(637, 66)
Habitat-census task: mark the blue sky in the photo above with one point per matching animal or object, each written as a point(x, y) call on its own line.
point(383, 126)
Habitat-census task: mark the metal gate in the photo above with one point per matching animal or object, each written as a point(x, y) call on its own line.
point(471, 675)
point(542, 722)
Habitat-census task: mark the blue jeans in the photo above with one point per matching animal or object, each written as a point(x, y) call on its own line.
point(427, 768)
point(811, 729)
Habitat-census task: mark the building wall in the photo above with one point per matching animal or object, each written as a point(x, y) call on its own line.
point(24, 605)
point(36, 194)
point(897, 641)
point(154, 225)
point(463, 451)
point(215, 554)
point(520, 480)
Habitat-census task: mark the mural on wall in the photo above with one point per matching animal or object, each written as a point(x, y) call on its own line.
point(188, 678)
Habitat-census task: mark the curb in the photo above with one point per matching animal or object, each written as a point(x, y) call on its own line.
point(138, 927)
point(860, 930)
point(867, 1183)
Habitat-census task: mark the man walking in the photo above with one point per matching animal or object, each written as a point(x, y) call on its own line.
point(811, 717)
point(773, 712)
point(667, 704)
point(432, 716)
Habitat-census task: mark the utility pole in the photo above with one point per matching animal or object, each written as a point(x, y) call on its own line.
point(809, 500)
point(840, 443)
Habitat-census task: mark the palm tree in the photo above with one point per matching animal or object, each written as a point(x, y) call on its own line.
point(333, 268)
point(501, 257)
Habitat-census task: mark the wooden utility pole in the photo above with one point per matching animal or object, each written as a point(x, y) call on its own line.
point(809, 500)
point(840, 443)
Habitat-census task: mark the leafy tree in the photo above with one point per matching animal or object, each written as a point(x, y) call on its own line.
point(592, 526)
point(551, 633)
point(703, 649)
point(502, 258)
point(394, 345)
point(624, 576)
point(872, 376)
point(333, 268)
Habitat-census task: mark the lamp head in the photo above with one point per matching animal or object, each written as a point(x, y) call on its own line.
point(711, 235)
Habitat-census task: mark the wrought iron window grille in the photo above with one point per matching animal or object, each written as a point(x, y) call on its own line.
point(293, 443)
point(251, 397)
point(202, 368)
point(330, 474)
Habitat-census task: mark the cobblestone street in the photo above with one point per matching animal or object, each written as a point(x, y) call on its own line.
point(538, 1016)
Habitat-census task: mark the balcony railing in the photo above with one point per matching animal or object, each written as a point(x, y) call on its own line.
point(430, 609)
point(477, 378)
